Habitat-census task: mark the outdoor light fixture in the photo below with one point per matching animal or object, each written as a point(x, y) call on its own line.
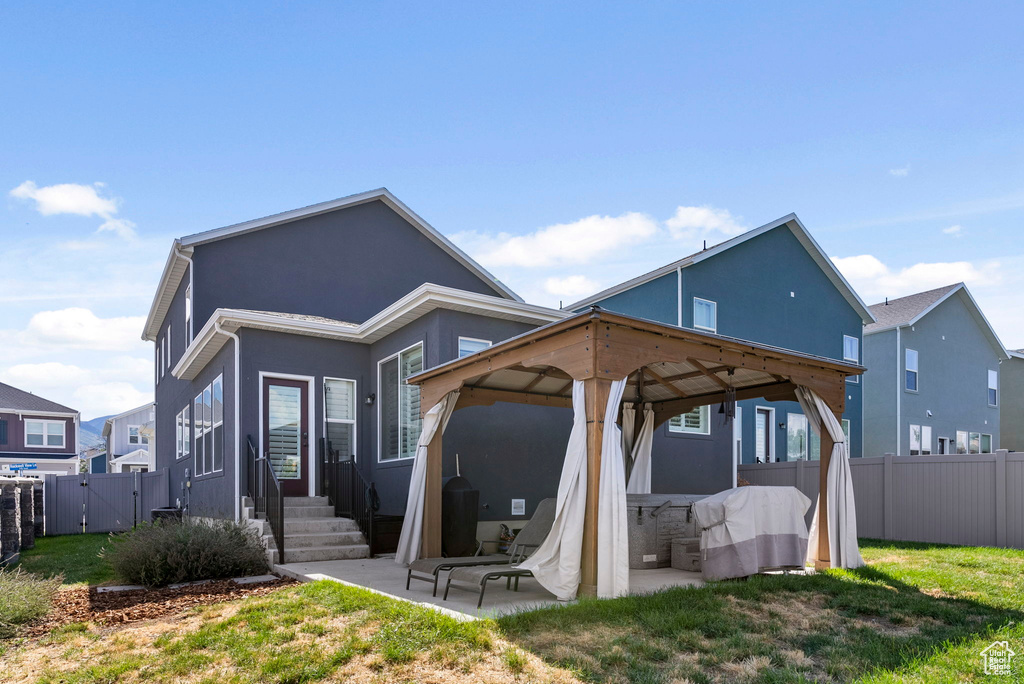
point(370, 398)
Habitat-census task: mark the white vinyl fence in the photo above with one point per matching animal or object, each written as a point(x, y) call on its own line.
point(971, 500)
point(102, 502)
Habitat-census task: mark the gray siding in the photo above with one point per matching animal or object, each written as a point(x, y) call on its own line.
point(1011, 404)
point(879, 383)
point(954, 357)
point(117, 441)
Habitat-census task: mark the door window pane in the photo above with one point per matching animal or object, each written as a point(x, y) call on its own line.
point(915, 440)
point(284, 414)
point(986, 444)
point(705, 314)
point(961, 442)
point(975, 443)
point(761, 435)
point(796, 437)
point(926, 439)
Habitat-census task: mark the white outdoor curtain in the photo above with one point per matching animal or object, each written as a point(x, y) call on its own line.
point(640, 475)
point(628, 427)
point(842, 512)
point(612, 535)
point(412, 527)
point(556, 562)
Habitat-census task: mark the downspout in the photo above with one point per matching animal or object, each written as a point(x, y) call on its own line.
point(899, 390)
point(238, 432)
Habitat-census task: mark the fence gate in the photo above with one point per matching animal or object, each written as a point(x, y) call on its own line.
point(102, 502)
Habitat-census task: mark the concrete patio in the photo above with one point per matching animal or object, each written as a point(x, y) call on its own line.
point(384, 576)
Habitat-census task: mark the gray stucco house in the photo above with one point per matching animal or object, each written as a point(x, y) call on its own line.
point(127, 441)
point(274, 333)
point(933, 379)
point(1011, 403)
point(771, 285)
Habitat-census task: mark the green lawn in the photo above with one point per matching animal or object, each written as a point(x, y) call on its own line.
point(917, 614)
point(76, 556)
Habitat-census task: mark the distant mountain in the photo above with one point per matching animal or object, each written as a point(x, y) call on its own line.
point(90, 432)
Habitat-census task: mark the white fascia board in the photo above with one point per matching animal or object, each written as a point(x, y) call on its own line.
point(137, 409)
point(1015, 354)
point(427, 297)
point(21, 413)
point(174, 269)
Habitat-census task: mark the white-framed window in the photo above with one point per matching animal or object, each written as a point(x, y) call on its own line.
point(45, 434)
point(398, 404)
point(911, 372)
point(188, 316)
point(814, 441)
point(340, 415)
point(705, 314)
point(851, 352)
point(926, 440)
point(159, 354)
point(961, 442)
point(208, 428)
point(183, 433)
point(915, 440)
point(135, 436)
point(974, 443)
point(993, 388)
point(797, 440)
point(986, 443)
point(471, 345)
point(694, 422)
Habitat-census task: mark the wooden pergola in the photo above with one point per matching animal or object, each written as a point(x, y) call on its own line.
point(674, 369)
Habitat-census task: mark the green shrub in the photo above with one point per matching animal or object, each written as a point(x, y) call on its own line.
point(169, 552)
point(24, 597)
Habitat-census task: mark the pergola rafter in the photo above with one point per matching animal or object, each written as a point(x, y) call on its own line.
point(676, 370)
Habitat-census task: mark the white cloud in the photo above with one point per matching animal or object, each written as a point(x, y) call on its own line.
point(571, 287)
point(79, 200)
point(80, 328)
point(92, 391)
point(900, 173)
point(694, 223)
point(875, 280)
point(953, 230)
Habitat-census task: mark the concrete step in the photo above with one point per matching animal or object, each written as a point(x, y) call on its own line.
point(310, 554)
point(291, 501)
point(310, 526)
point(318, 539)
point(309, 511)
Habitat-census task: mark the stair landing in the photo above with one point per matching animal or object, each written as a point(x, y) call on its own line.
point(311, 532)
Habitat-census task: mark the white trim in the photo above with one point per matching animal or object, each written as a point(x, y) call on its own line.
point(44, 445)
point(354, 421)
point(182, 248)
point(791, 221)
point(22, 413)
point(138, 433)
point(679, 296)
point(1015, 354)
point(771, 456)
point(310, 419)
point(714, 328)
point(458, 346)
point(682, 430)
point(380, 402)
point(422, 300)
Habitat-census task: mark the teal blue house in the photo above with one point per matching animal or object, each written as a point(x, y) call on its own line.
point(771, 285)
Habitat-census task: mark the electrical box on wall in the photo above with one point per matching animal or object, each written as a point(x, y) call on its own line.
point(518, 506)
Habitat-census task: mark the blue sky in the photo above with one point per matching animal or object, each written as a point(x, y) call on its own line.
point(895, 133)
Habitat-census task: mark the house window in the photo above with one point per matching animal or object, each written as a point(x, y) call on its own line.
point(3, 432)
point(469, 345)
point(993, 388)
point(197, 433)
point(814, 441)
point(44, 433)
point(159, 353)
point(188, 316)
point(695, 422)
point(340, 416)
point(208, 428)
point(851, 352)
point(986, 444)
point(218, 424)
point(911, 359)
point(975, 443)
point(705, 314)
point(177, 436)
point(915, 440)
point(961, 442)
point(183, 433)
point(135, 437)
point(796, 437)
point(399, 405)
point(926, 440)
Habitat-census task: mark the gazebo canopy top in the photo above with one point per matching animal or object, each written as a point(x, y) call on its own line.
point(675, 369)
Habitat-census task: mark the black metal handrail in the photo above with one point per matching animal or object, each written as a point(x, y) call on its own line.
point(267, 495)
point(348, 491)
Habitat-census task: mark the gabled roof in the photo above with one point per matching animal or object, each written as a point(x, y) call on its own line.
point(424, 299)
point(1016, 353)
point(182, 249)
point(109, 422)
point(19, 400)
point(906, 311)
point(790, 221)
point(133, 457)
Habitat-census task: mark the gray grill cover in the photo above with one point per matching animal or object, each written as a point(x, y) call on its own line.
point(650, 538)
point(750, 529)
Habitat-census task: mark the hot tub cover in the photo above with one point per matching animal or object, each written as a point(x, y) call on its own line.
point(750, 529)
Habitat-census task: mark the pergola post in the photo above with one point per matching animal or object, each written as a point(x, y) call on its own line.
point(823, 560)
point(431, 547)
point(596, 391)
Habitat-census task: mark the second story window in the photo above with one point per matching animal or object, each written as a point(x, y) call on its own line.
point(188, 315)
point(470, 345)
point(705, 314)
point(136, 437)
point(44, 433)
point(851, 352)
point(911, 366)
point(993, 388)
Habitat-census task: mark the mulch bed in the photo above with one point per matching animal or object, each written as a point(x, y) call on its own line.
point(83, 604)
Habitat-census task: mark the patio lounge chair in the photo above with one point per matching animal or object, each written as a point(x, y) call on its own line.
point(479, 576)
point(528, 539)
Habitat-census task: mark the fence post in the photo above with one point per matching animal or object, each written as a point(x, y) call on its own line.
point(1000, 498)
point(799, 484)
point(888, 487)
